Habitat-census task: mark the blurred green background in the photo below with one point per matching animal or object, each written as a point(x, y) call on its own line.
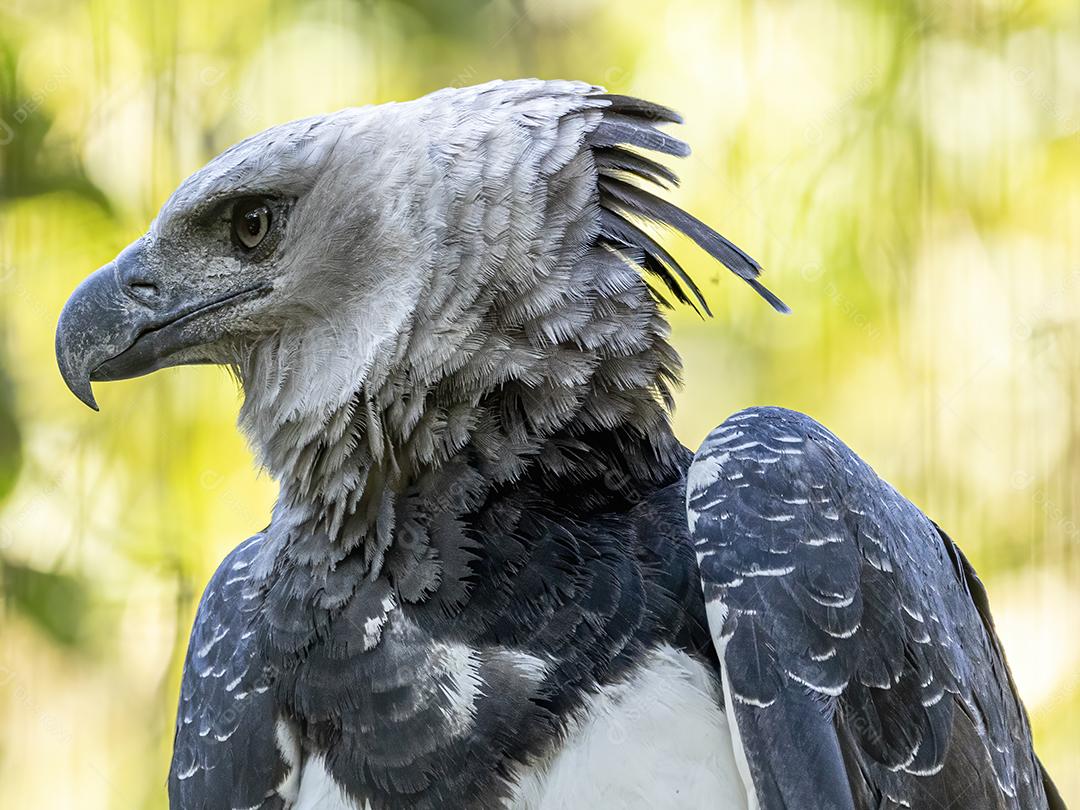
point(908, 172)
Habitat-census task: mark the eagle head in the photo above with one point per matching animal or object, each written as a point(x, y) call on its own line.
point(472, 260)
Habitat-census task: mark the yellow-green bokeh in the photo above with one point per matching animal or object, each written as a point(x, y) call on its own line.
point(908, 173)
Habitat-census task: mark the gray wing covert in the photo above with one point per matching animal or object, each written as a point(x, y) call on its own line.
point(858, 660)
point(226, 752)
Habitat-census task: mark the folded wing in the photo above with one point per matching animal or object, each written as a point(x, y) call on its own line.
point(859, 660)
point(228, 750)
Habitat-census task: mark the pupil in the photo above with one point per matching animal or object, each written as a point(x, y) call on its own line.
point(254, 222)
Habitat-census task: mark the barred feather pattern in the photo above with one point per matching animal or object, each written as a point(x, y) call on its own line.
point(855, 638)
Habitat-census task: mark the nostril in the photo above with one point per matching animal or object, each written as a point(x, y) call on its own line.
point(135, 276)
point(143, 290)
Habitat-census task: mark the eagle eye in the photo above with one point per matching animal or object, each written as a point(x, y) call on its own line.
point(250, 222)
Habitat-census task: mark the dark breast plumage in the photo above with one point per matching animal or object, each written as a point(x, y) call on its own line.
point(440, 702)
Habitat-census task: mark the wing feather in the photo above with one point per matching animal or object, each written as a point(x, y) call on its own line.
point(832, 596)
point(226, 751)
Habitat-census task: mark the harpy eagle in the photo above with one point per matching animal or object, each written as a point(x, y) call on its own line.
point(494, 578)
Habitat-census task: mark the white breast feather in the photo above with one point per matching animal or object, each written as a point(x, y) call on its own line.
point(660, 739)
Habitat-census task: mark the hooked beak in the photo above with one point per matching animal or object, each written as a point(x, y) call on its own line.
point(107, 333)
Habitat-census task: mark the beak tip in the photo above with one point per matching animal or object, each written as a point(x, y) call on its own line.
point(82, 391)
point(74, 376)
